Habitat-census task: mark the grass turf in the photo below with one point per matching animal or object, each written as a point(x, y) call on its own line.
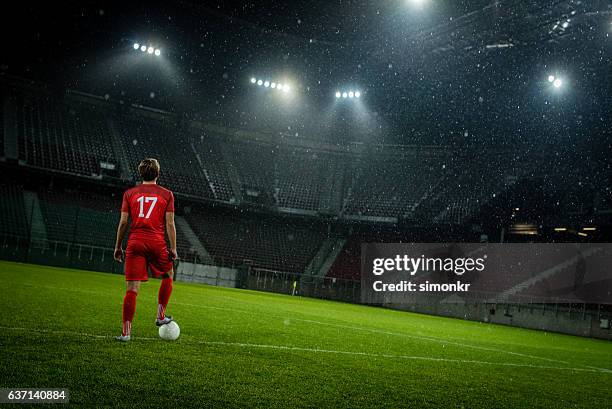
point(251, 349)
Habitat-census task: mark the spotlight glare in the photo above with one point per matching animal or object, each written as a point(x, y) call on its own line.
point(143, 48)
point(267, 84)
point(157, 52)
point(286, 88)
point(279, 87)
point(551, 78)
point(351, 94)
point(344, 95)
point(557, 83)
point(259, 82)
point(253, 80)
point(273, 85)
point(357, 94)
point(338, 94)
point(150, 50)
point(136, 46)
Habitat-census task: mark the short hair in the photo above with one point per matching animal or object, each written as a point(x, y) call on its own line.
point(149, 169)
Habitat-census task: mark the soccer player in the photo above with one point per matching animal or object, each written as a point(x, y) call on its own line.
point(150, 207)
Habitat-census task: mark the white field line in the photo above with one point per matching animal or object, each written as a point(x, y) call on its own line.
point(398, 334)
point(324, 351)
point(356, 328)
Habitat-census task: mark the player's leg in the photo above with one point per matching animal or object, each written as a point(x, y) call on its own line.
point(163, 297)
point(135, 273)
point(161, 265)
point(129, 308)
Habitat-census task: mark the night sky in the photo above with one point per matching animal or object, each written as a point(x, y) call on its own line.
point(430, 71)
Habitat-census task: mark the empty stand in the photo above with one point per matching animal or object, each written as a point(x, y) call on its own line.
point(159, 138)
point(67, 138)
point(264, 242)
point(299, 178)
point(215, 166)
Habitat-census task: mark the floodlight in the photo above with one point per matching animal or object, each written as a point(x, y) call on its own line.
point(150, 50)
point(267, 84)
point(253, 80)
point(357, 94)
point(344, 95)
point(351, 94)
point(551, 78)
point(143, 48)
point(557, 83)
point(136, 46)
point(259, 82)
point(273, 85)
point(338, 94)
point(157, 52)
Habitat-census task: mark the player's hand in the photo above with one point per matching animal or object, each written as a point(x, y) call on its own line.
point(118, 255)
point(173, 254)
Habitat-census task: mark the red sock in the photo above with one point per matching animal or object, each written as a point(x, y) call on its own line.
point(165, 289)
point(129, 308)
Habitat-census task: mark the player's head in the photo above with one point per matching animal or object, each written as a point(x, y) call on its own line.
point(149, 169)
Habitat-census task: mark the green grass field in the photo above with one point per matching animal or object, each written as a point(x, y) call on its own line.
point(251, 349)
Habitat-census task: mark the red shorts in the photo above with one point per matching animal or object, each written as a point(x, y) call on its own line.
point(141, 254)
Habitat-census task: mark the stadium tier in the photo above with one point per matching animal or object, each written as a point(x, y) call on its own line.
point(54, 135)
point(84, 135)
point(263, 242)
point(393, 185)
point(215, 168)
point(87, 136)
point(163, 138)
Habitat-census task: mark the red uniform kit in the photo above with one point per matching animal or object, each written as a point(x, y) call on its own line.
point(147, 205)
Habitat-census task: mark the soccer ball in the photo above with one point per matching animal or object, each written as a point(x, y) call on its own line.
point(169, 331)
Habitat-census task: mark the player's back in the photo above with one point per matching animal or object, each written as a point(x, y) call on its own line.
point(147, 205)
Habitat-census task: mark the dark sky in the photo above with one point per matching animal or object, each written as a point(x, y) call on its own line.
point(442, 71)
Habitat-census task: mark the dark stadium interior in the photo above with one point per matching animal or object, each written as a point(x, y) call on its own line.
point(301, 140)
point(459, 136)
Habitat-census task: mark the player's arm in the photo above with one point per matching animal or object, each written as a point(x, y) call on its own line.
point(171, 231)
point(121, 230)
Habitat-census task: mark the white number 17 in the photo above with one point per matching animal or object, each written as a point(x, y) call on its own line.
point(142, 200)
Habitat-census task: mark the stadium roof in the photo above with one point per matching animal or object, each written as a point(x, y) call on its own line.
point(430, 71)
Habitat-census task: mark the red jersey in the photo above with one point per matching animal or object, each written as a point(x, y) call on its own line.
point(147, 205)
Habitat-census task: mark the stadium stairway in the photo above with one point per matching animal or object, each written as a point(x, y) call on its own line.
point(35, 219)
point(331, 193)
point(188, 234)
point(232, 172)
point(120, 152)
point(325, 257)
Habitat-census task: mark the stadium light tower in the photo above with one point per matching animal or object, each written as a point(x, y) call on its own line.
point(347, 94)
point(557, 82)
point(270, 84)
point(151, 50)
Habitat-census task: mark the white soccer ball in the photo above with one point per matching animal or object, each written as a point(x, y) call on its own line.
point(169, 331)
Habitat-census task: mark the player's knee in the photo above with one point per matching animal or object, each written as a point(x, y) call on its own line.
point(133, 286)
point(169, 274)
